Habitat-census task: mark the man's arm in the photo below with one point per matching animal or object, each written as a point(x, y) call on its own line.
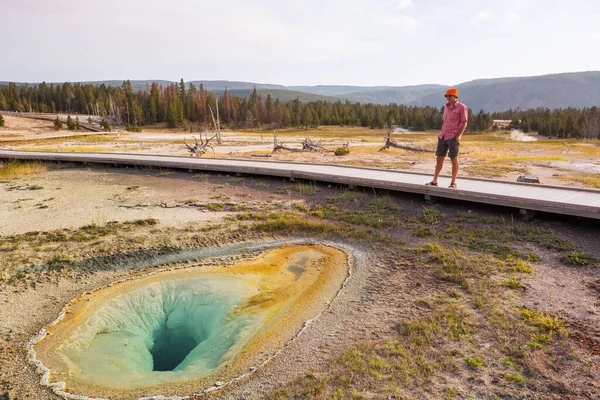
point(463, 124)
point(461, 130)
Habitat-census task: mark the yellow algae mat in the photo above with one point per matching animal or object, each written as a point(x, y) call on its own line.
point(181, 331)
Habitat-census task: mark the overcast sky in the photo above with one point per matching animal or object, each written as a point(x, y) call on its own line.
point(303, 42)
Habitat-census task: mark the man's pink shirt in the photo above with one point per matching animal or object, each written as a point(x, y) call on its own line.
point(453, 117)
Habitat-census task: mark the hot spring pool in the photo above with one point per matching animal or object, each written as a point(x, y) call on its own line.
point(179, 331)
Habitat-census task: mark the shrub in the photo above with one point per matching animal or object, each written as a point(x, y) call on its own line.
point(342, 151)
point(133, 128)
point(1, 121)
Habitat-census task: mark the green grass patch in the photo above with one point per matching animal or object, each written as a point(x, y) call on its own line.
point(515, 377)
point(474, 362)
point(215, 207)
point(514, 283)
point(580, 258)
point(289, 223)
point(458, 266)
point(547, 323)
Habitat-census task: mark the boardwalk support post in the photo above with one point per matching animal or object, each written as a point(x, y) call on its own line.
point(429, 199)
point(526, 215)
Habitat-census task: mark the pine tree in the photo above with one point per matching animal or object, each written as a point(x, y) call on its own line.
point(182, 90)
point(175, 117)
point(296, 112)
point(70, 123)
point(77, 124)
point(306, 117)
point(315, 120)
point(269, 107)
point(201, 105)
point(104, 123)
point(263, 115)
point(154, 104)
point(58, 125)
point(249, 119)
point(1, 121)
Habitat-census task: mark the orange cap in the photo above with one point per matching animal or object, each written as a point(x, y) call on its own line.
point(452, 92)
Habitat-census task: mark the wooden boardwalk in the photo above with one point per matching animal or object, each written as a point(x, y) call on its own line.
point(525, 196)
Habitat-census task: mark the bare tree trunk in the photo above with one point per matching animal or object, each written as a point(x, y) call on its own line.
point(127, 110)
point(389, 142)
point(216, 123)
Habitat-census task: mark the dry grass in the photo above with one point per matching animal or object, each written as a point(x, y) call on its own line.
point(526, 158)
point(71, 149)
point(17, 169)
point(376, 164)
point(492, 170)
point(590, 180)
point(328, 132)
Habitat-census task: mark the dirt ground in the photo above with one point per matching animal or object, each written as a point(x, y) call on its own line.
point(72, 229)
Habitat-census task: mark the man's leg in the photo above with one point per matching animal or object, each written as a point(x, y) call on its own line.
point(440, 152)
point(454, 146)
point(454, 169)
point(438, 167)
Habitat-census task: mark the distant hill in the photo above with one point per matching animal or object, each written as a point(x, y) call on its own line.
point(283, 95)
point(577, 89)
point(401, 95)
point(337, 90)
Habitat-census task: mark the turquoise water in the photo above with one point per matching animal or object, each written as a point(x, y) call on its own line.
point(166, 331)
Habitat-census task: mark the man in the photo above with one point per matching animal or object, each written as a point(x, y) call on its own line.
point(456, 115)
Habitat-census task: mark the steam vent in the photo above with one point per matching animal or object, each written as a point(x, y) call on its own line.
point(178, 332)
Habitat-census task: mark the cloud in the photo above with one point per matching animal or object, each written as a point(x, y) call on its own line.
point(403, 4)
point(484, 16)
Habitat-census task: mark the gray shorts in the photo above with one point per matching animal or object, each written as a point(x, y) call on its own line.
point(447, 147)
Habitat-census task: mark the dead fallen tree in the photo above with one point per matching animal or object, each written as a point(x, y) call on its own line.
point(277, 146)
point(199, 148)
point(309, 145)
point(410, 146)
point(261, 155)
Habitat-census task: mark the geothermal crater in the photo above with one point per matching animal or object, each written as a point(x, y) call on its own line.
point(179, 331)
